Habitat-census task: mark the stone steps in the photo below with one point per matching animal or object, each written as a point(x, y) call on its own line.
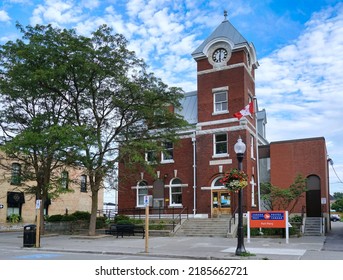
point(204, 227)
point(313, 226)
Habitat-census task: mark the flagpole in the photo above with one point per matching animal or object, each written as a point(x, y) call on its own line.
point(257, 156)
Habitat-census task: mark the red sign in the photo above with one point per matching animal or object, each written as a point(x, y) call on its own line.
point(268, 219)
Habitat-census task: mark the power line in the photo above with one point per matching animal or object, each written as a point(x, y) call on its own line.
point(339, 179)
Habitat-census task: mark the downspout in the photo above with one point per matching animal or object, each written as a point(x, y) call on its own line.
point(257, 157)
point(194, 174)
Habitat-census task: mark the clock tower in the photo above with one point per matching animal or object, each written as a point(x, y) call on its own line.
point(226, 64)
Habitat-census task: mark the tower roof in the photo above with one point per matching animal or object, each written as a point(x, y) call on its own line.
point(225, 31)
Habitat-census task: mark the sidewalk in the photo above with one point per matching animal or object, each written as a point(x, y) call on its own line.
point(193, 247)
point(303, 248)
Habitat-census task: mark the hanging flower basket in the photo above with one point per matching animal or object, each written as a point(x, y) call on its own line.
point(234, 180)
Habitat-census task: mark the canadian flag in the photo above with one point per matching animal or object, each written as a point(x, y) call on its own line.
point(246, 111)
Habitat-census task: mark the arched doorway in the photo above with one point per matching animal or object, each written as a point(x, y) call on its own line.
point(221, 200)
point(313, 201)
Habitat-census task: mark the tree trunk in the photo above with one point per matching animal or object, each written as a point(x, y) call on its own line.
point(94, 210)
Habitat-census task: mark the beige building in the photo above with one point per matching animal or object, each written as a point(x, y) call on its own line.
point(14, 199)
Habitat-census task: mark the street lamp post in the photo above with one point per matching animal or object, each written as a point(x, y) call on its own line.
point(240, 150)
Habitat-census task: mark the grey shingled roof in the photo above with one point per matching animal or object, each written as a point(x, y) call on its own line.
point(189, 107)
point(224, 30)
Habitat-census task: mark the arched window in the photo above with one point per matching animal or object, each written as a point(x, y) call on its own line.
point(217, 182)
point(175, 192)
point(142, 190)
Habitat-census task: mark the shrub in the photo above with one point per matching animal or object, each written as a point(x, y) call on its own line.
point(124, 222)
point(295, 219)
point(55, 218)
point(101, 222)
point(14, 218)
point(68, 218)
point(121, 217)
point(81, 215)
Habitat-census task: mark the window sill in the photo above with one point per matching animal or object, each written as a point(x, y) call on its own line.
point(220, 155)
point(175, 206)
point(167, 161)
point(220, 113)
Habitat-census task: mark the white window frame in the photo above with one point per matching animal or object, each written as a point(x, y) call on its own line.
point(163, 153)
point(223, 105)
point(252, 146)
point(253, 184)
point(142, 190)
point(215, 152)
point(153, 155)
point(171, 193)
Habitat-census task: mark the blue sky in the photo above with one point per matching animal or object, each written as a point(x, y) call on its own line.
point(299, 45)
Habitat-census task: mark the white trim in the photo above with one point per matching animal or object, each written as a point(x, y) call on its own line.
point(231, 120)
point(232, 66)
point(177, 185)
point(222, 161)
point(219, 89)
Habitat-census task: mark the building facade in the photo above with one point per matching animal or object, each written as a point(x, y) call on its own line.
point(15, 201)
point(282, 161)
point(189, 172)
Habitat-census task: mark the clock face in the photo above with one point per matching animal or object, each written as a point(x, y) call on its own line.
point(219, 55)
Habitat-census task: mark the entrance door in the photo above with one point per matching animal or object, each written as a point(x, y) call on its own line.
point(221, 203)
point(313, 201)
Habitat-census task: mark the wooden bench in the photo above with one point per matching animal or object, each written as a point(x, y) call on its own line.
point(125, 229)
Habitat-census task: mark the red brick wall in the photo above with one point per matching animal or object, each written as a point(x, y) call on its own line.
point(305, 156)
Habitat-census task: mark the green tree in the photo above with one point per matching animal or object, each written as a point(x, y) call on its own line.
point(338, 205)
point(31, 120)
point(338, 195)
point(275, 198)
point(108, 98)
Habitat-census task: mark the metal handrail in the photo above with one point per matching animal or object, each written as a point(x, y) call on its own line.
point(233, 217)
point(179, 217)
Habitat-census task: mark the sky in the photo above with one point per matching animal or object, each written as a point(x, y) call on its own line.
point(299, 45)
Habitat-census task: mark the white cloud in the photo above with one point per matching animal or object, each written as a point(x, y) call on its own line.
point(56, 12)
point(300, 85)
point(4, 16)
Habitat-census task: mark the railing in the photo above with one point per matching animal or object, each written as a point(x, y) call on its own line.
point(109, 213)
point(158, 213)
point(233, 217)
point(179, 217)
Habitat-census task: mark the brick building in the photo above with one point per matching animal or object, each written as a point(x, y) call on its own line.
point(15, 201)
point(282, 161)
point(189, 172)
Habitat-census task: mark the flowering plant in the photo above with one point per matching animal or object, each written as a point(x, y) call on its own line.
point(235, 180)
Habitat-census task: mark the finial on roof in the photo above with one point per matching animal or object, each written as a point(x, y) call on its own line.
point(225, 15)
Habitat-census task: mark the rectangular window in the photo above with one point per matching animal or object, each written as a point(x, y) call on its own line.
point(220, 144)
point(16, 174)
point(150, 156)
point(168, 152)
point(141, 193)
point(64, 179)
point(220, 102)
point(252, 140)
point(83, 183)
point(176, 195)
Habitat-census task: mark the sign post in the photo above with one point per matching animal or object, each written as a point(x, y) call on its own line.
point(146, 204)
point(38, 206)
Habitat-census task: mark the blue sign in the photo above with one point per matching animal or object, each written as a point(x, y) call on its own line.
point(268, 216)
